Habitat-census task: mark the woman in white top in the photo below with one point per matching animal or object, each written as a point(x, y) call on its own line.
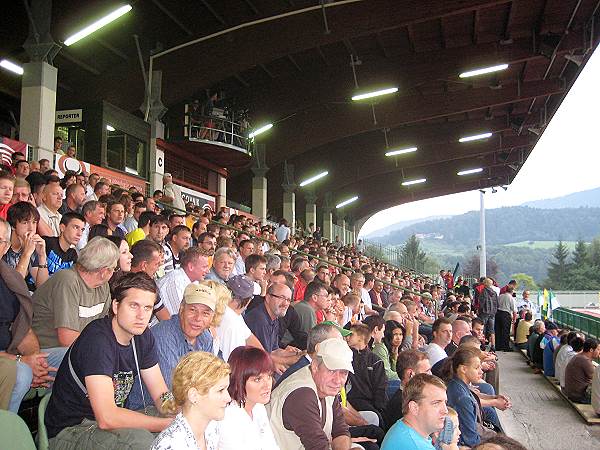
point(200, 383)
point(246, 424)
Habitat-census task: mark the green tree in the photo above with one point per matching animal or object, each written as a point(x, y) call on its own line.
point(412, 254)
point(558, 270)
point(526, 282)
point(580, 254)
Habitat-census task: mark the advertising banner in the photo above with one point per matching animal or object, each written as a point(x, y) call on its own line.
point(197, 198)
point(64, 163)
point(8, 147)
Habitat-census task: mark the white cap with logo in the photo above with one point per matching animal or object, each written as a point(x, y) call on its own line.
point(335, 354)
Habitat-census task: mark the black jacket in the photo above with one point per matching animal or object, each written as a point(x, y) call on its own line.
point(367, 386)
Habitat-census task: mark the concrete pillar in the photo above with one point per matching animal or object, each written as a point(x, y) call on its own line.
point(289, 207)
point(38, 108)
point(157, 131)
point(327, 224)
point(222, 191)
point(343, 236)
point(311, 209)
point(259, 193)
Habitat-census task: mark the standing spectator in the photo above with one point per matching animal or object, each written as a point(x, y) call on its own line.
point(87, 409)
point(488, 306)
point(580, 372)
point(424, 409)
point(172, 194)
point(246, 423)
point(282, 232)
point(505, 317)
point(200, 395)
point(51, 203)
point(74, 297)
point(74, 199)
point(93, 212)
point(60, 251)
point(194, 265)
point(177, 242)
point(300, 402)
point(27, 251)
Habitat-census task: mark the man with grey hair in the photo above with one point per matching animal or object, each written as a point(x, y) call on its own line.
point(273, 264)
point(74, 297)
point(222, 266)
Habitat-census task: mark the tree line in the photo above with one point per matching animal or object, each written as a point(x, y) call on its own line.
point(577, 270)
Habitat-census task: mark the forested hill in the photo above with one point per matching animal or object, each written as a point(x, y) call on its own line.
point(507, 225)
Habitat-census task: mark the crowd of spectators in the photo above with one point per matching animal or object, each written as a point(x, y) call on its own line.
point(159, 327)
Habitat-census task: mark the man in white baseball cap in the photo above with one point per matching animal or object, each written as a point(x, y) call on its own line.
point(307, 399)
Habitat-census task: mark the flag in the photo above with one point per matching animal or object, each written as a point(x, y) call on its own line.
point(553, 301)
point(544, 303)
point(8, 147)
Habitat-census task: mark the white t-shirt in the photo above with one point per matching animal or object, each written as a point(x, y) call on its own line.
point(238, 430)
point(366, 298)
point(232, 332)
point(435, 353)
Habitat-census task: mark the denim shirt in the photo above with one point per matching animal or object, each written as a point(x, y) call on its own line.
point(461, 399)
point(171, 345)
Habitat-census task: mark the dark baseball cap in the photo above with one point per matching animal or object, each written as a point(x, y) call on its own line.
point(241, 286)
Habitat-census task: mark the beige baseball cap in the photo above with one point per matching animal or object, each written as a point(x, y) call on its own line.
point(198, 293)
point(335, 354)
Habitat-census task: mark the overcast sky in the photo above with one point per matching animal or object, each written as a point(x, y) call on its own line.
point(566, 159)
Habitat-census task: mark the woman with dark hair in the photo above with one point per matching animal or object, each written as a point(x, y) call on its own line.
point(125, 256)
point(387, 341)
point(99, 230)
point(246, 423)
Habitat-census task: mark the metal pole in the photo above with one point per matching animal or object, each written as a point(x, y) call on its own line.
point(482, 255)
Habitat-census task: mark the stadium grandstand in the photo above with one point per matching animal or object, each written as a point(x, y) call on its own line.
point(182, 186)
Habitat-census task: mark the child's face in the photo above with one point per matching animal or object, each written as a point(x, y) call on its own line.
point(456, 434)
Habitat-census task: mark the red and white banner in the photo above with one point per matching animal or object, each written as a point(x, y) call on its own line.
point(8, 147)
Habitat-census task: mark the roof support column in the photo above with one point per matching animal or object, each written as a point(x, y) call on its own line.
point(311, 209)
point(38, 86)
point(342, 224)
point(157, 111)
point(259, 184)
point(289, 196)
point(328, 217)
point(221, 191)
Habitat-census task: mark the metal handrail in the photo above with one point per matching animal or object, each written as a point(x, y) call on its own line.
point(217, 129)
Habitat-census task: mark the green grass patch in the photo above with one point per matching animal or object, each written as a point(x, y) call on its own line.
point(541, 244)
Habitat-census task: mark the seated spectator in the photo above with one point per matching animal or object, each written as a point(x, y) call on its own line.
point(222, 266)
point(442, 336)
point(115, 215)
point(424, 412)
point(199, 398)
point(300, 402)
point(27, 251)
point(523, 331)
point(466, 369)
point(22, 192)
point(565, 353)
point(20, 356)
point(538, 329)
point(74, 297)
point(246, 423)
point(87, 407)
point(410, 363)
point(142, 230)
point(131, 222)
point(159, 229)
point(60, 251)
point(186, 331)
point(233, 331)
point(580, 372)
point(21, 168)
point(177, 242)
point(194, 265)
point(49, 224)
point(357, 283)
point(547, 345)
point(351, 303)
point(387, 342)
point(256, 270)
point(100, 189)
point(460, 328)
point(245, 249)
point(367, 384)
point(74, 199)
point(316, 298)
point(93, 212)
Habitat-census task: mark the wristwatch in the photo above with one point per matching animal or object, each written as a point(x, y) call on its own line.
point(18, 357)
point(42, 266)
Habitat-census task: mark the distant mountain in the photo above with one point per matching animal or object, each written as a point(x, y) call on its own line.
point(589, 198)
point(399, 225)
point(505, 226)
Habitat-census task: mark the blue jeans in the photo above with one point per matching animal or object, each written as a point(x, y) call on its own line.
point(489, 412)
point(25, 376)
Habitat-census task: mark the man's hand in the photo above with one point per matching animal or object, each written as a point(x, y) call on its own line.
point(39, 367)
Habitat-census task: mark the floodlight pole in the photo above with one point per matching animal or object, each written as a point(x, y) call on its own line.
point(482, 255)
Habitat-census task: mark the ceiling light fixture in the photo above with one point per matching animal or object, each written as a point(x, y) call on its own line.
point(483, 70)
point(346, 202)
point(411, 182)
point(97, 25)
point(11, 66)
point(110, 127)
point(469, 171)
point(401, 151)
point(372, 94)
point(260, 130)
point(475, 137)
point(313, 179)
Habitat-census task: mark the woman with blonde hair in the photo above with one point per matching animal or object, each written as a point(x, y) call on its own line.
point(200, 396)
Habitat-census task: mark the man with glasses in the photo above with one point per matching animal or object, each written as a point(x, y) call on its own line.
point(73, 297)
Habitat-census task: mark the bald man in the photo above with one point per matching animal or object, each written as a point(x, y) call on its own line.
point(460, 328)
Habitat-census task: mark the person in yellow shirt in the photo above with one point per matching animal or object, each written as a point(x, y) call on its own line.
point(523, 330)
point(142, 230)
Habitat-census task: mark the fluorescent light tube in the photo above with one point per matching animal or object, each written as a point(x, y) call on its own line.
point(483, 70)
point(97, 25)
point(401, 151)
point(469, 171)
point(375, 93)
point(347, 202)
point(475, 137)
point(313, 179)
point(411, 182)
point(260, 130)
point(15, 68)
